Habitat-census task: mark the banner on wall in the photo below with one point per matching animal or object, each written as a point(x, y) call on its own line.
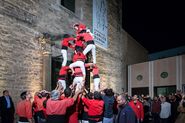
point(100, 23)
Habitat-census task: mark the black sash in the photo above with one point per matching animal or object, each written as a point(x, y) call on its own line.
point(95, 117)
point(79, 49)
point(64, 47)
point(23, 119)
point(90, 42)
point(56, 119)
point(96, 76)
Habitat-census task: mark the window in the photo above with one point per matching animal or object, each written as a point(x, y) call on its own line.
point(69, 4)
point(164, 90)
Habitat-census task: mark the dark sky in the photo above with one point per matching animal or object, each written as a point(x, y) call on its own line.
point(156, 24)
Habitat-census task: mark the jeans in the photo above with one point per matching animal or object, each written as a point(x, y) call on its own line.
point(107, 120)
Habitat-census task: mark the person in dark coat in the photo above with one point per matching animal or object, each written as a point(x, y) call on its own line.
point(108, 99)
point(7, 109)
point(174, 105)
point(125, 112)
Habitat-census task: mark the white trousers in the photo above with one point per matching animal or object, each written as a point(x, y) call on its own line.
point(91, 47)
point(64, 55)
point(78, 64)
point(78, 81)
point(85, 121)
point(96, 84)
point(62, 83)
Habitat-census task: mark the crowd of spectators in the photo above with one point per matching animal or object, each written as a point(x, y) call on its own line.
point(105, 106)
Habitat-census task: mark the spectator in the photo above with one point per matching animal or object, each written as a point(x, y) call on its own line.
point(165, 110)
point(181, 109)
point(125, 113)
point(146, 107)
point(7, 109)
point(108, 99)
point(115, 108)
point(156, 108)
point(137, 107)
point(178, 95)
point(174, 104)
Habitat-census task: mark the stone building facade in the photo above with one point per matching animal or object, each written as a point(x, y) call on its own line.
point(25, 66)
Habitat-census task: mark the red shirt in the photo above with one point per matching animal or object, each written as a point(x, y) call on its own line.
point(156, 107)
point(65, 41)
point(63, 70)
point(95, 107)
point(79, 43)
point(73, 111)
point(86, 36)
point(80, 27)
point(58, 107)
point(24, 109)
point(79, 56)
point(138, 109)
point(62, 97)
point(95, 70)
point(78, 71)
point(86, 109)
point(35, 109)
point(39, 103)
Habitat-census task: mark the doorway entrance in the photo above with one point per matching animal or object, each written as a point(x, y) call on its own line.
point(164, 90)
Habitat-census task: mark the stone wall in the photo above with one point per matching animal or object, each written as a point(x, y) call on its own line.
point(22, 61)
point(134, 52)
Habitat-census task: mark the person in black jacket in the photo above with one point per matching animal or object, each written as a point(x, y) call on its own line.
point(108, 99)
point(125, 112)
point(7, 109)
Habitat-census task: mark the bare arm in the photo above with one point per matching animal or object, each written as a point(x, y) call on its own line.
point(76, 95)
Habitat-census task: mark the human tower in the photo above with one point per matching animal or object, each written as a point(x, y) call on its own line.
point(81, 44)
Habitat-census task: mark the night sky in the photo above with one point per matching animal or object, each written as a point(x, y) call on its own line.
point(156, 24)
